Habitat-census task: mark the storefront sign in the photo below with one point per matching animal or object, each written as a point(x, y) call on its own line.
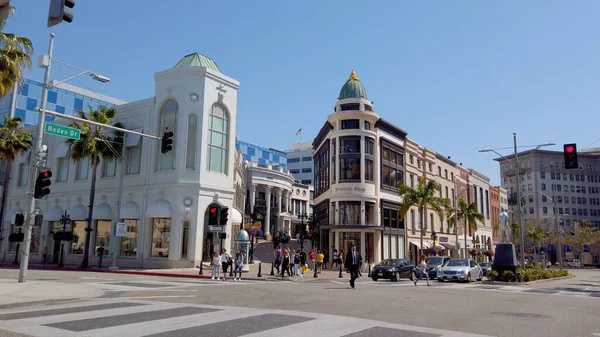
point(355, 189)
point(121, 229)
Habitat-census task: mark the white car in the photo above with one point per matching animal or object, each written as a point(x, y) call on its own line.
point(460, 270)
point(575, 263)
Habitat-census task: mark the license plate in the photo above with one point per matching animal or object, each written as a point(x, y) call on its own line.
point(380, 274)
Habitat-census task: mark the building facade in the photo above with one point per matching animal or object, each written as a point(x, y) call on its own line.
point(261, 155)
point(166, 196)
point(480, 185)
point(300, 162)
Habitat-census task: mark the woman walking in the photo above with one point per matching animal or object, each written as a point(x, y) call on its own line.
point(285, 263)
point(422, 270)
point(225, 262)
point(216, 266)
point(297, 273)
point(238, 266)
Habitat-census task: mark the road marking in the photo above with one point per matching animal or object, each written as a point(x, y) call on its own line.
point(142, 297)
point(588, 287)
point(96, 278)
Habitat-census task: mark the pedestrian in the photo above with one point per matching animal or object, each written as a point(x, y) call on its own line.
point(352, 263)
point(277, 257)
point(325, 258)
point(293, 262)
point(297, 266)
point(100, 252)
point(311, 257)
point(303, 259)
point(285, 263)
point(360, 264)
point(44, 255)
point(226, 262)
point(238, 266)
point(320, 261)
point(216, 266)
point(422, 270)
point(335, 261)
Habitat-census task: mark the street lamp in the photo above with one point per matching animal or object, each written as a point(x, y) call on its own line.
point(45, 61)
point(434, 237)
point(302, 216)
point(558, 232)
point(516, 162)
point(256, 216)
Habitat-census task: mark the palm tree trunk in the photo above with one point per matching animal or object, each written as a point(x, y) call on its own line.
point(3, 203)
point(88, 230)
point(421, 209)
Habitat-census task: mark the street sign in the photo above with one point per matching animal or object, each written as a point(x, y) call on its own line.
point(215, 228)
point(62, 131)
point(121, 229)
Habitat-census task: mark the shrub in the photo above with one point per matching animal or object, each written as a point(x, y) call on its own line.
point(533, 274)
point(509, 276)
point(491, 275)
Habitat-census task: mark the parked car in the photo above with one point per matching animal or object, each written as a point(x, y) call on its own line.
point(485, 266)
point(434, 263)
point(574, 264)
point(393, 270)
point(460, 270)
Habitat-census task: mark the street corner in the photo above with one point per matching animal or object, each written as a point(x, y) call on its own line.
point(13, 292)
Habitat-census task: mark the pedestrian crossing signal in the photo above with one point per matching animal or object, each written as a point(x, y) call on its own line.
point(41, 184)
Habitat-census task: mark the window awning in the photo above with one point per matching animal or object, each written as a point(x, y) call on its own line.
point(130, 210)
point(236, 216)
point(77, 212)
point(53, 214)
point(102, 212)
point(159, 209)
point(447, 246)
point(10, 215)
point(62, 150)
point(132, 140)
point(417, 243)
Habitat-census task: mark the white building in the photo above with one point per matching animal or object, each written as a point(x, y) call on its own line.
point(166, 196)
point(481, 195)
point(300, 162)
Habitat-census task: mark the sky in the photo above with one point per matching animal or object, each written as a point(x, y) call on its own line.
point(458, 76)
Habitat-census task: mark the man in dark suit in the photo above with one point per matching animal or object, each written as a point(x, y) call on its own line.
point(352, 262)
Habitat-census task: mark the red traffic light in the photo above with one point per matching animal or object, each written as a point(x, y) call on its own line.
point(169, 134)
point(569, 149)
point(46, 174)
point(213, 210)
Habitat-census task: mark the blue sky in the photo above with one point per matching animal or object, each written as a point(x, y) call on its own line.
point(458, 76)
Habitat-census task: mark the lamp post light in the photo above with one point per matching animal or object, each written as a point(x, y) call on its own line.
point(557, 224)
point(256, 216)
point(434, 237)
point(518, 172)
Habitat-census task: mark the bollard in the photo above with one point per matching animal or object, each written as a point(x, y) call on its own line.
point(369, 270)
point(231, 270)
point(340, 271)
point(315, 275)
point(272, 271)
point(259, 270)
point(201, 272)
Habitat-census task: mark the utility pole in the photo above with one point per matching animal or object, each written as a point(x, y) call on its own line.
point(521, 236)
point(33, 168)
point(115, 246)
point(559, 248)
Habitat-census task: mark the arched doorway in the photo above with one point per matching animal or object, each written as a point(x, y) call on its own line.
point(211, 237)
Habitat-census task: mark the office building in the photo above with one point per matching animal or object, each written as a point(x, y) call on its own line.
point(300, 162)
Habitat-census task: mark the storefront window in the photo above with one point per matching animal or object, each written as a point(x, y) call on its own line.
point(349, 239)
point(35, 239)
point(350, 169)
point(161, 235)
point(369, 213)
point(129, 242)
point(392, 170)
point(78, 242)
point(102, 236)
point(350, 213)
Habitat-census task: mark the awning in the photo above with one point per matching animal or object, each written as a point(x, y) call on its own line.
point(448, 246)
point(61, 150)
point(102, 212)
point(53, 214)
point(236, 216)
point(10, 215)
point(77, 212)
point(130, 210)
point(417, 243)
point(133, 140)
point(159, 209)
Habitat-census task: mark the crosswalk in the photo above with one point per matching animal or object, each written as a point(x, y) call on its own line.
point(495, 287)
point(150, 284)
point(132, 318)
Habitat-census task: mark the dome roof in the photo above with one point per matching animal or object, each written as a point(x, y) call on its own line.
point(353, 88)
point(198, 60)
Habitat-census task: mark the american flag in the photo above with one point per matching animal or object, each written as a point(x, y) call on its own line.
point(299, 132)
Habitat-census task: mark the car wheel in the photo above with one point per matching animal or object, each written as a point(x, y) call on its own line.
point(412, 277)
point(374, 279)
point(480, 278)
point(394, 277)
point(440, 280)
point(469, 278)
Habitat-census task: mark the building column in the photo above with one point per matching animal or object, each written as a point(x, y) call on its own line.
point(252, 197)
point(279, 217)
point(362, 247)
point(363, 213)
point(267, 223)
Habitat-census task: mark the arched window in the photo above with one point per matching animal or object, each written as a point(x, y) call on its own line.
point(218, 127)
point(190, 156)
point(168, 122)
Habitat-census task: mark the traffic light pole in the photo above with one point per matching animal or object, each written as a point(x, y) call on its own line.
point(118, 213)
point(33, 168)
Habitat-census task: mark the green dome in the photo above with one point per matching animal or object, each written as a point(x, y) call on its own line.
point(198, 60)
point(353, 88)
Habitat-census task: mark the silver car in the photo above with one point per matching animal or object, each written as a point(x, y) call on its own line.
point(460, 270)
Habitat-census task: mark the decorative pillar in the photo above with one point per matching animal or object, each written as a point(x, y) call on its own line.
point(279, 217)
point(267, 223)
point(363, 213)
point(252, 197)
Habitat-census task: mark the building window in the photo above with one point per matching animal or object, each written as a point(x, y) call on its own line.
point(307, 181)
point(63, 169)
point(217, 141)
point(439, 171)
point(350, 213)
point(192, 134)
point(306, 158)
point(134, 158)
point(369, 159)
point(367, 125)
point(350, 107)
point(390, 218)
point(321, 172)
point(23, 174)
point(349, 158)
point(350, 124)
point(129, 242)
point(307, 170)
point(412, 220)
point(109, 167)
point(78, 237)
point(83, 167)
point(102, 236)
point(168, 122)
point(487, 204)
point(368, 107)
point(392, 171)
point(369, 213)
point(161, 235)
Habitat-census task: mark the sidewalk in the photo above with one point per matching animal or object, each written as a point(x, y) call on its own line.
point(252, 274)
point(12, 292)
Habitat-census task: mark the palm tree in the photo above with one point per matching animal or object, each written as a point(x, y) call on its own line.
point(424, 197)
point(536, 234)
point(95, 142)
point(14, 139)
point(468, 214)
point(15, 55)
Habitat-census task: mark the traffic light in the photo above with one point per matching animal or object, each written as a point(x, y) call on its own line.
point(58, 12)
point(212, 216)
point(166, 144)
point(570, 152)
point(19, 220)
point(224, 215)
point(41, 184)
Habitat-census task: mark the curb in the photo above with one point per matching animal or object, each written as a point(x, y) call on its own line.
point(528, 283)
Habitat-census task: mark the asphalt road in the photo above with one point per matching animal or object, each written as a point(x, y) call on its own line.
point(141, 305)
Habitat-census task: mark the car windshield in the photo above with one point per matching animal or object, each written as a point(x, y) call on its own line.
point(457, 263)
point(388, 262)
point(435, 260)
